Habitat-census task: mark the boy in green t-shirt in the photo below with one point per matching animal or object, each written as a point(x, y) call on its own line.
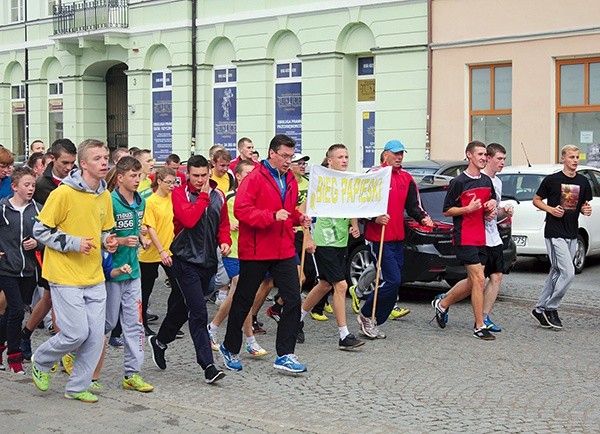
point(331, 238)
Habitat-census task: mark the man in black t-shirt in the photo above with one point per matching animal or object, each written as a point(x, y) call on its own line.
point(567, 194)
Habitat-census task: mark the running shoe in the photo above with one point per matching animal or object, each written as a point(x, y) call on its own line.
point(15, 363)
point(151, 317)
point(289, 363)
point(398, 312)
point(255, 350)
point(2, 348)
point(67, 362)
point(158, 352)
point(84, 396)
point(116, 342)
point(483, 334)
point(355, 299)
point(552, 318)
point(378, 333)
point(539, 317)
point(257, 328)
point(212, 374)
point(40, 379)
point(350, 342)
point(318, 316)
point(137, 383)
point(489, 324)
point(273, 314)
point(328, 308)
point(214, 343)
point(441, 314)
point(231, 360)
point(366, 326)
point(95, 386)
point(179, 334)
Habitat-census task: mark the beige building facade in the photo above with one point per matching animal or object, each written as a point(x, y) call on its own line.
point(525, 74)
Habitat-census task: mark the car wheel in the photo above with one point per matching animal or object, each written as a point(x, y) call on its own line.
point(359, 259)
point(579, 259)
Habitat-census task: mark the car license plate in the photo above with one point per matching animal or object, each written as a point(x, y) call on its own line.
point(520, 240)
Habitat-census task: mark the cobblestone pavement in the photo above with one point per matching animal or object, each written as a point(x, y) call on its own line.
point(419, 379)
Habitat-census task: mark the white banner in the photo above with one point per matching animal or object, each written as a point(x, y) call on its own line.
point(332, 193)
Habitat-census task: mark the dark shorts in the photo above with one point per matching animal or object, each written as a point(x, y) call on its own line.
point(331, 263)
point(495, 260)
point(232, 266)
point(470, 255)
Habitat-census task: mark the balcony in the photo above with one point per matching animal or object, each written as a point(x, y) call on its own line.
point(90, 15)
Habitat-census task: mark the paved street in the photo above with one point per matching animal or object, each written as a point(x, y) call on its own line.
point(420, 379)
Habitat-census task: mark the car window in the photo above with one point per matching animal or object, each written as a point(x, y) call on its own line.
point(454, 171)
point(520, 186)
point(432, 201)
point(592, 179)
point(420, 171)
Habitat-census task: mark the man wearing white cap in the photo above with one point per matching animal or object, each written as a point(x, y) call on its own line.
point(403, 196)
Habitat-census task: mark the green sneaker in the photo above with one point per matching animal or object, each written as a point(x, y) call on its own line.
point(355, 299)
point(40, 379)
point(96, 386)
point(136, 382)
point(84, 396)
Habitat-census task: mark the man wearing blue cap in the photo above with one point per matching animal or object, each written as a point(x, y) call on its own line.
point(403, 195)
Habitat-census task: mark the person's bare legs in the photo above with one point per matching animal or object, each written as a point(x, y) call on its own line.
point(40, 310)
point(492, 289)
point(457, 293)
point(477, 281)
point(339, 302)
point(315, 295)
point(226, 305)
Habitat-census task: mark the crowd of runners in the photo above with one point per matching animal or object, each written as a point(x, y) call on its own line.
point(84, 231)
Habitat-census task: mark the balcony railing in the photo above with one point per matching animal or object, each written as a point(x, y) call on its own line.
point(89, 15)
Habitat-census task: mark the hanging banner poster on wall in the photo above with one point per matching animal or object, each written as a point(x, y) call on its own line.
point(368, 139)
point(162, 124)
point(225, 118)
point(288, 111)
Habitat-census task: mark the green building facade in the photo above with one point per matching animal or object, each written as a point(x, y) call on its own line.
point(156, 74)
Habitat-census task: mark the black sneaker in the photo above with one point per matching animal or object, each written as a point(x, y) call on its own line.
point(212, 374)
point(257, 328)
point(483, 334)
point(158, 353)
point(179, 334)
point(350, 342)
point(300, 338)
point(540, 318)
point(552, 318)
point(151, 317)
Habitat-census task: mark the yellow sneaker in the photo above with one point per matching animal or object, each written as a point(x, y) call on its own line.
point(136, 382)
point(328, 309)
point(398, 312)
point(67, 361)
point(355, 299)
point(54, 368)
point(84, 396)
point(318, 316)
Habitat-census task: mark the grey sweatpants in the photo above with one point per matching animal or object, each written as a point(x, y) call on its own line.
point(80, 313)
point(561, 252)
point(124, 302)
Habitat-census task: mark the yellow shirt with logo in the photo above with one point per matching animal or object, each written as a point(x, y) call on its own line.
point(159, 216)
point(222, 182)
point(78, 214)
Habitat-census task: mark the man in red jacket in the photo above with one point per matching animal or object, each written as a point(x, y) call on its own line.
point(403, 195)
point(266, 210)
point(201, 226)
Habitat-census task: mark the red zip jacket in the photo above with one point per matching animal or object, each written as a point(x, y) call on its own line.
point(258, 198)
point(201, 224)
point(404, 194)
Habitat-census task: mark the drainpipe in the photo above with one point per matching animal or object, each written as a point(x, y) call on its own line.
point(26, 144)
point(194, 77)
point(429, 80)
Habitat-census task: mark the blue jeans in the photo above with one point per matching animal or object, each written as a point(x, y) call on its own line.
point(390, 278)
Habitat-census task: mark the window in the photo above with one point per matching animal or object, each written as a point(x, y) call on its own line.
point(491, 105)
point(288, 101)
point(225, 108)
point(17, 10)
point(18, 120)
point(578, 107)
point(55, 110)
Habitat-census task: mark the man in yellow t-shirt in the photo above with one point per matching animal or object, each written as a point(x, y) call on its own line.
point(220, 166)
point(144, 156)
point(74, 224)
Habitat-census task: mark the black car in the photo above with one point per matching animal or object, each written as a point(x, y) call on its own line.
point(429, 254)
